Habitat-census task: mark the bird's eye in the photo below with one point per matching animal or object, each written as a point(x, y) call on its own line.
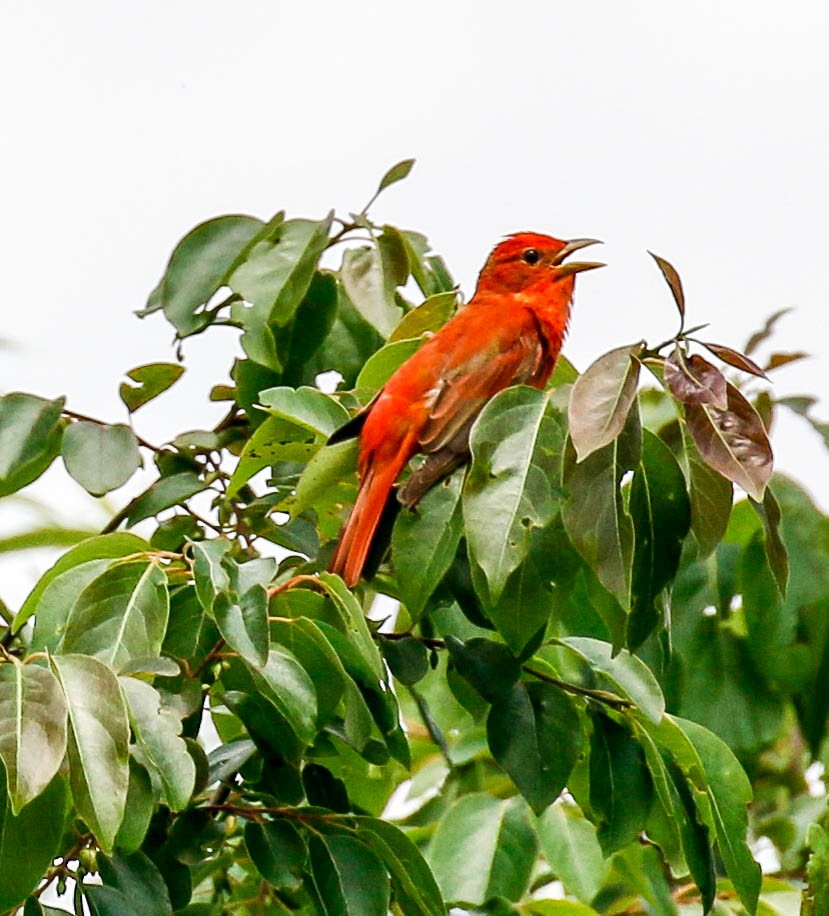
point(532, 256)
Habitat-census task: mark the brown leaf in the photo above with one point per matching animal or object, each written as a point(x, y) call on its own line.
point(693, 380)
point(733, 441)
point(673, 281)
point(735, 358)
point(765, 332)
point(601, 399)
point(781, 359)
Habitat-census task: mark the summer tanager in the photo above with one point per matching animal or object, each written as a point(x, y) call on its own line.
point(510, 333)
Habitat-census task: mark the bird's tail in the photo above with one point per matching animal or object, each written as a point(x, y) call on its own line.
point(358, 533)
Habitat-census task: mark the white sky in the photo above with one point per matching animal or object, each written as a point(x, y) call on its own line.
point(698, 130)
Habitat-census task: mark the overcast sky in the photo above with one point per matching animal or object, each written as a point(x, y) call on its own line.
point(698, 130)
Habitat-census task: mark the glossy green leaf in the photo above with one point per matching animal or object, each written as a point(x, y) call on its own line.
point(278, 851)
point(138, 810)
point(429, 271)
point(569, 844)
point(483, 847)
point(595, 515)
point(100, 458)
point(32, 730)
point(307, 407)
point(661, 513)
point(710, 493)
point(29, 840)
point(349, 877)
point(199, 265)
point(30, 436)
point(407, 658)
point(730, 792)
point(98, 743)
point(243, 622)
point(277, 271)
point(380, 366)
point(623, 674)
point(601, 399)
point(621, 789)
point(516, 444)
point(157, 731)
point(328, 482)
point(286, 684)
point(427, 318)
point(424, 542)
point(122, 614)
point(353, 623)
point(150, 381)
point(164, 494)
point(132, 884)
point(396, 173)
point(490, 667)
point(415, 888)
point(535, 735)
point(778, 557)
point(370, 277)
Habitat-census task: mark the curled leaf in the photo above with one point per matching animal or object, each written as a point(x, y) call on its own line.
point(693, 380)
point(733, 441)
point(776, 360)
point(673, 281)
point(736, 359)
point(396, 173)
point(602, 398)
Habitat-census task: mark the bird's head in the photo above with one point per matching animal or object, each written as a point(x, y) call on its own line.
point(528, 260)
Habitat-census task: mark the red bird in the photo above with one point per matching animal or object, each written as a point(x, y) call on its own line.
point(510, 333)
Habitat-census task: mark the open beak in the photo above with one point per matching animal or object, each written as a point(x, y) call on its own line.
point(575, 267)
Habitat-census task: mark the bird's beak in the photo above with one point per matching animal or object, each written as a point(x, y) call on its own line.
point(575, 267)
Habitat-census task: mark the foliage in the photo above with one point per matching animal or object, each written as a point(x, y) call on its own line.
point(597, 661)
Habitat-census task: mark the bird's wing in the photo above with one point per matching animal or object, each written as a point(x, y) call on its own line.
point(468, 383)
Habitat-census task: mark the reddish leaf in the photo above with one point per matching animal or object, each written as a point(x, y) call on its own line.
point(765, 332)
point(693, 380)
point(776, 360)
point(735, 358)
point(602, 398)
point(673, 281)
point(733, 441)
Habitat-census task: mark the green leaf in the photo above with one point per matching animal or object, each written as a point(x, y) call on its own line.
point(199, 265)
point(353, 623)
point(43, 598)
point(32, 730)
point(733, 441)
point(349, 877)
point(816, 894)
point(98, 743)
point(771, 516)
point(138, 810)
point(300, 340)
point(569, 844)
point(516, 444)
point(307, 407)
point(428, 270)
point(396, 173)
point(164, 494)
point(711, 496)
point(278, 851)
point(243, 622)
point(535, 735)
point(151, 380)
point(623, 674)
point(488, 666)
point(164, 753)
point(277, 271)
point(595, 515)
point(428, 317)
point(381, 365)
point(304, 639)
point(286, 684)
point(621, 789)
point(424, 542)
point(100, 458)
point(132, 884)
point(661, 513)
point(602, 398)
point(370, 277)
point(483, 847)
point(122, 614)
point(211, 576)
point(729, 791)
point(407, 658)
point(415, 889)
point(29, 840)
point(328, 482)
point(30, 435)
